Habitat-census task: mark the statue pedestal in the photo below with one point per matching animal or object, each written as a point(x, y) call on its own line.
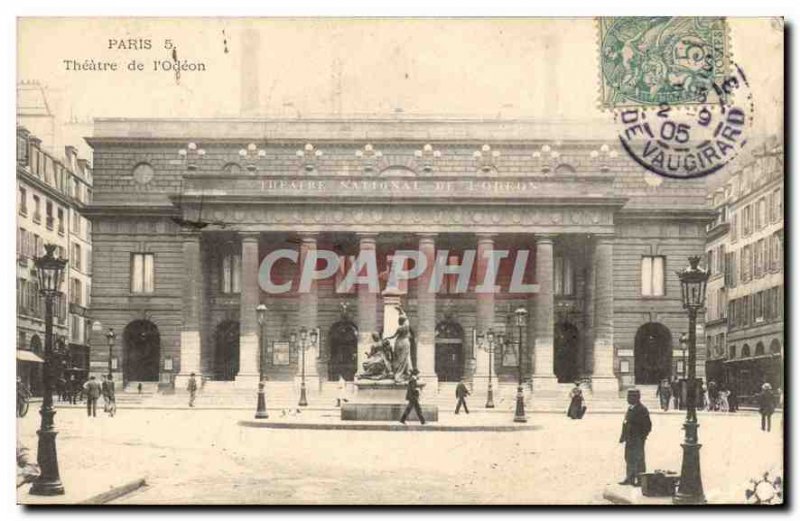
point(384, 400)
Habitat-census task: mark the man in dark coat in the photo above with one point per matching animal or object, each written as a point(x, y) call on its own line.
point(676, 393)
point(635, 429)
point(412, 395)
point(766, 406)
point(461, 393)
point(93, 391)
point(192, 388)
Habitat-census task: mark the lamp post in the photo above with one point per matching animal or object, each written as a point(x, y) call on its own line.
point(50, 271)
point(519, 414)
point(683, 342)
point(110, 336)
point(489, 345)
point(261, 407)
point(693, 292)
point(307, 339)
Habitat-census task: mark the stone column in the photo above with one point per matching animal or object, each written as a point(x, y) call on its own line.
point(367, 304)
point(543, 377)
point(192, 309)
point(426, 312)
point(307, 315)
point(484, 313)
point(248, 323)
point(603, 379)
point(587, 361)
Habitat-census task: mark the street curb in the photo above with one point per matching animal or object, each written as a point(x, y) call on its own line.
point(114, 493)
point(386, 427)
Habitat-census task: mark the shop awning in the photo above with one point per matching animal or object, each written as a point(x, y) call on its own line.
point(28, 356)
point(773, 356)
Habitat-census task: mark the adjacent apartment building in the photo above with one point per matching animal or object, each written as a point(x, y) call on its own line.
point(52, 193)
point(745, 314)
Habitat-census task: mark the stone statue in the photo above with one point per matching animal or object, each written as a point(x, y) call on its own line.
point(378, 365)
point(401, 361)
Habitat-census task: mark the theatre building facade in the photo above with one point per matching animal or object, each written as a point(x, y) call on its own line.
point(189, 216)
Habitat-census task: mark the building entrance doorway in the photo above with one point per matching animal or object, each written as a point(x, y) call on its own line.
point(566, 356)
point(343, 337)
point(449, 358)
point(652, 354)
point(226, 352)
point(142, 351)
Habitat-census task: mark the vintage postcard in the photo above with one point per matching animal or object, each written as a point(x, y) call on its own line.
point(303, 261)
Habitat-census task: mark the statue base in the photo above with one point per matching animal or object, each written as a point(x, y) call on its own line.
point(384, 400)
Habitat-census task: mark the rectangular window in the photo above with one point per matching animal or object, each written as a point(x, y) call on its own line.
point(60, 215)
point(76, 292)
point(77, 256)
point(564, 276)
point(710, 261)
point(653, 276)
point(777, 205)
point(142, 273)
point(734, 225)
point(777, 252)
point(23, 201)
point(49, 212)
point(37, 209)
point(231, 273)
point(76, 223)
point(758, 309)
point(75, 328)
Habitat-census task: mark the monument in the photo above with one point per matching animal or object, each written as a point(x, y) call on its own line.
point(381, 384)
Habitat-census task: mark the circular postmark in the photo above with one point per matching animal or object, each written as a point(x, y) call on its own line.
point(685, 141)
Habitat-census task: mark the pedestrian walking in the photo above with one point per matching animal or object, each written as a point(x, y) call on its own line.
point(112, 396)
point(664, 392)
point(461, 394)
point(577, 404)
point(635, 430)
point(104, 392)
point(733, 399)
point(192, 388)
point(341, 397)
point(73, 389)
point(704, 397)
point(412, 395)
point(139, 388)
point(93, 391)
point(724, 393)
point(713, 395)
point(766, 406)
point(675, 386)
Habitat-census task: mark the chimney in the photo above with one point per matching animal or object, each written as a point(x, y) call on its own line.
point(250, 58)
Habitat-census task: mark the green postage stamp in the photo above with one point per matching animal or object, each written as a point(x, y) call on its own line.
point(661, 60)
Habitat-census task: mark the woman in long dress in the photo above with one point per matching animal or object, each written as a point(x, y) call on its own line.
point(401, 362)
point(576, 403)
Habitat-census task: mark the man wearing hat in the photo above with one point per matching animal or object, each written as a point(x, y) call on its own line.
point(766, 406)
point(635, 429)
point(412, 395)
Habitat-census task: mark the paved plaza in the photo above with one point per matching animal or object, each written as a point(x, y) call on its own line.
point(207, 456)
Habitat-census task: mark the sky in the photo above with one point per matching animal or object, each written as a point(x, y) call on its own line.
point(529, 68)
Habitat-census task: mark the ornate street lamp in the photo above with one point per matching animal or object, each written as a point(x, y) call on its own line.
point(693, 293)
point(307, 339)
point(110, 336)
point(261, 407)
point(519, 415)
point(487, 343)
point(50, 271)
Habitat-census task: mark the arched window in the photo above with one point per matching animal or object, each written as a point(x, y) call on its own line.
point(733, 352)
point(759, 349)
point(745, 351)
point(564, 168)
point(775, 346)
